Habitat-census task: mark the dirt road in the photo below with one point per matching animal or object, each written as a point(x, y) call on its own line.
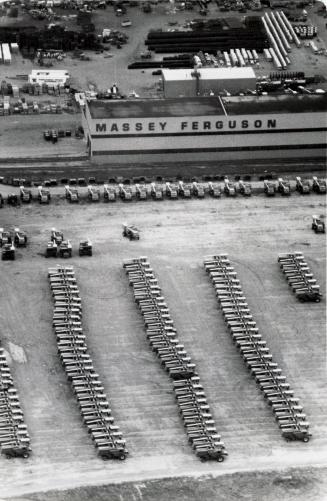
point(175, 236)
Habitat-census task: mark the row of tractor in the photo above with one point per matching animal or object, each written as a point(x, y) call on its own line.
point(168, 190)
point(299, 277)
point(14, 437)
point(254, 351)
point(9, 240)
point(58, 246)
point(78, 365)
point(163, 339)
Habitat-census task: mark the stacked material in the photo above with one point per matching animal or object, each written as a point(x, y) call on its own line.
point(72, 349)
point(299, 277)
point(14, 437)
point(162, 336)
point(256, 355)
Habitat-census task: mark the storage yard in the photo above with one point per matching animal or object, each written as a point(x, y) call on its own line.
point(138, 390)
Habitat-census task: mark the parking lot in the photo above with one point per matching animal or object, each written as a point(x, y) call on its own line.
point(175, 236)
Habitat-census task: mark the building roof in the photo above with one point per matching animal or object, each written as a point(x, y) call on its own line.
point(209, 73)
point(138, 108)
point(202, 106)
point(49, 73)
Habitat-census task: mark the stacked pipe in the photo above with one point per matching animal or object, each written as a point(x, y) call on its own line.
point(72, 349)
point(286, 46)
point(162, 336)
point(286, 31)
point(299, 277)
point(275, 42)
point(14, 437)
point(253, 349)
point(290, 28)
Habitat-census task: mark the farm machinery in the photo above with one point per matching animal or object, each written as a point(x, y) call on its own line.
point(43, 195)
point(284, 187)
point(229, 188)
point(72, 194)
point(245, 188)
point(214, 190)
point(20, 238)
point(109, 193)
point(157, 191)
point(269, 188)
point(131, 232)
point(303, 186)
point(25, 195)
point(318, 225)
point(318, 185)
point(125, 192)
point(93, 193)
point(85, 248)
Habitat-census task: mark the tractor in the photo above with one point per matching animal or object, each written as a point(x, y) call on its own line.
point(245, 188)
point(25, 195)
point(5, 237)
point(109, 193)
point(197, 190)
point(156, 192)
point(214, 190)
point(303, 187)
point(141, 191)
point(85, 248)
point(43, 195)
point(125, 192)
point(284, 187)
point(20, 238)
point(8, 252)
point(269, 188)
point(52, 249)
point(318, 185)
point(72, 194)
point(229, 188)
point(56, 236)
point(131, 232)
point(65, 249)
point(318, 225)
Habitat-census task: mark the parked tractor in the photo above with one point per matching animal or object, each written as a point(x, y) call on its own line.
point(65, 249)
point(141, 192)
point(318, 225)
point(43, 195)
point(93, 193)
point(20, 238)
point(214, 190)
point(245, 188)
point(12, 199)
point(318, 185)
point(5, 237)
point(131, 232)
point(125, 192)
point(85, 248)
point(269, 188)
point(8, 252)
point(184, 190)
point(25, 195)
point(229, 188)
point(56, 236)
point(109, 193)
point(72, 194)
point(303, 187)
point(156, 191)
point(171, 191)
point(197, 190)
point(52, 249)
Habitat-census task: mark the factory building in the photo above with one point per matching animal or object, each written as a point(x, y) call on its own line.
point(205, 81)
point(197, 129)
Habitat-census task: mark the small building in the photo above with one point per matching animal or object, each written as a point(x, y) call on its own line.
point(6, 55)
point(204, 81)
point(49, 77)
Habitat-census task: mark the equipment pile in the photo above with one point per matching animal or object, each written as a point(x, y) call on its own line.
point(253, 349)
point(162, 336)
point(72, 349)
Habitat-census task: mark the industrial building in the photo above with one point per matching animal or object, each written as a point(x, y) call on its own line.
point(205, 81)
point(206, 128)
point(50, 77)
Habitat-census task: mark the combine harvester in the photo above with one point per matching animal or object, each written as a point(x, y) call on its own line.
point(25, 195)
point(157, 192)
point(245, 188)
point(171, 191)
point(318, 185)
point(72, 194)
point(125, 192)
point(269, 188)
point(303, 187)
point(20, 238)
point(43, 195)
point(93, 193)
point(141, 192)
point(318, 225)
point(109, 193)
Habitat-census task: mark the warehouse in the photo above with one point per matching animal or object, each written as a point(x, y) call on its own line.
point(206, 128)
point(204, 81)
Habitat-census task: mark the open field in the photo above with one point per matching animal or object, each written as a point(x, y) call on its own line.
point(175, 236)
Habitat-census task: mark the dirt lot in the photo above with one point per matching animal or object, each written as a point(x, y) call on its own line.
point(175, 236)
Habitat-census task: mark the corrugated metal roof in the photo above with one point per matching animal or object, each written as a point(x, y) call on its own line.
point(209, 73)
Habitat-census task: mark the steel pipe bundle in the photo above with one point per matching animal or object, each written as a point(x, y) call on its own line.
point(290, 28)
point(72, 349)
point(163, 340)
point(14, 437)
point(299, 277)
point(253, 349)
